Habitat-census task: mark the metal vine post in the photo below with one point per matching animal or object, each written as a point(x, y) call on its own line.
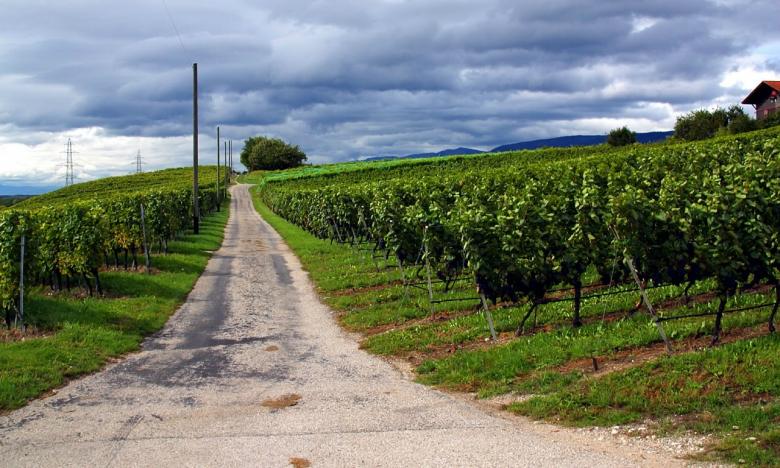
point(21, 286)
point(428, 273)
point(146, 243)
point(488, 315)
point(646, 300)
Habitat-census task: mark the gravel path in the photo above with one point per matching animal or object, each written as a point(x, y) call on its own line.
point(251, 331)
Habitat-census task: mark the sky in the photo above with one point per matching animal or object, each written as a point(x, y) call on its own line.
point(347, 79)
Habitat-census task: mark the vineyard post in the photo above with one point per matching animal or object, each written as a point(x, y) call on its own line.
point(354, 236)
point(195, 202)
point(218, 175)
point(336, 230)
point(369, 254)
point(649, 306)
point(488, 315)
point(403, 279)
point(146, 243)
point(21, 286)
point(428, 273)
point(226, 152)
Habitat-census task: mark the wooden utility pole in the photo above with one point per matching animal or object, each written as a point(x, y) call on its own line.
point(219, 194)
point(195, 203)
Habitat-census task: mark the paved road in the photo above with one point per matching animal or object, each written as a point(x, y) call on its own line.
point(193, 395)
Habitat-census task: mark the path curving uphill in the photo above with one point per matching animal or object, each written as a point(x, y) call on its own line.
point(253, 371)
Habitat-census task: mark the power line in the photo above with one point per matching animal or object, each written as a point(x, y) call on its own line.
point(173, 23)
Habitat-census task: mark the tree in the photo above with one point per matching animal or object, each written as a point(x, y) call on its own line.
point(621, 137)
point(742, 123)
point(701, 124)
point(270, 154)
point(771, 121)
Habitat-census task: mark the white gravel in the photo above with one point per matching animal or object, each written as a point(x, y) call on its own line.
point(192, 396)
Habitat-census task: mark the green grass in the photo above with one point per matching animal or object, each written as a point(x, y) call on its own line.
point(472, 327)
point(496, 370)
point(730, 390)
point(79, 335)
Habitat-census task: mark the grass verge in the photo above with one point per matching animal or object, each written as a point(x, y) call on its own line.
point(731, 390)
point(73, 335)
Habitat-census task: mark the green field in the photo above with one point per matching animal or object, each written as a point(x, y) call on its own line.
point(6, 201)
point(532, 230)
point(129, 185)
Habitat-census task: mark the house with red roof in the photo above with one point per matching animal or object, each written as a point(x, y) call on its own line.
point(764, 99)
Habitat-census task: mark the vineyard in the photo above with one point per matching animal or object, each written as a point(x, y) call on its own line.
point(69, 234)
point(522, 225)
point(87, 295)
point(526, 272)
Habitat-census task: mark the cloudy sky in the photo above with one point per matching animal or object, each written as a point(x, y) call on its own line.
point(346, 79)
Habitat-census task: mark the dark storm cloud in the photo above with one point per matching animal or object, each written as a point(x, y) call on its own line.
point(346, 78)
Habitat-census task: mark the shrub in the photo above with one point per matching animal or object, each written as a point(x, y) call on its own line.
point(621, 137)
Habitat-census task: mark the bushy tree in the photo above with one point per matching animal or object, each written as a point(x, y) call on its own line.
point(702, 123)
point(699, 124)
point(621, 137)
point(270, 154)
point(742, 123)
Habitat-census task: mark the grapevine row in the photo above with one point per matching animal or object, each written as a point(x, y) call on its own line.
point(680, 212)
point(70, 233)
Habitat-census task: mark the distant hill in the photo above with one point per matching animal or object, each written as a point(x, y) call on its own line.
point(18, 190)
point(558, 142)
point(8, 200)
point(577, 140)
point(447, 152)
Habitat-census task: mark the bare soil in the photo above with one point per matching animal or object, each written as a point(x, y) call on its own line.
point(284, 401)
